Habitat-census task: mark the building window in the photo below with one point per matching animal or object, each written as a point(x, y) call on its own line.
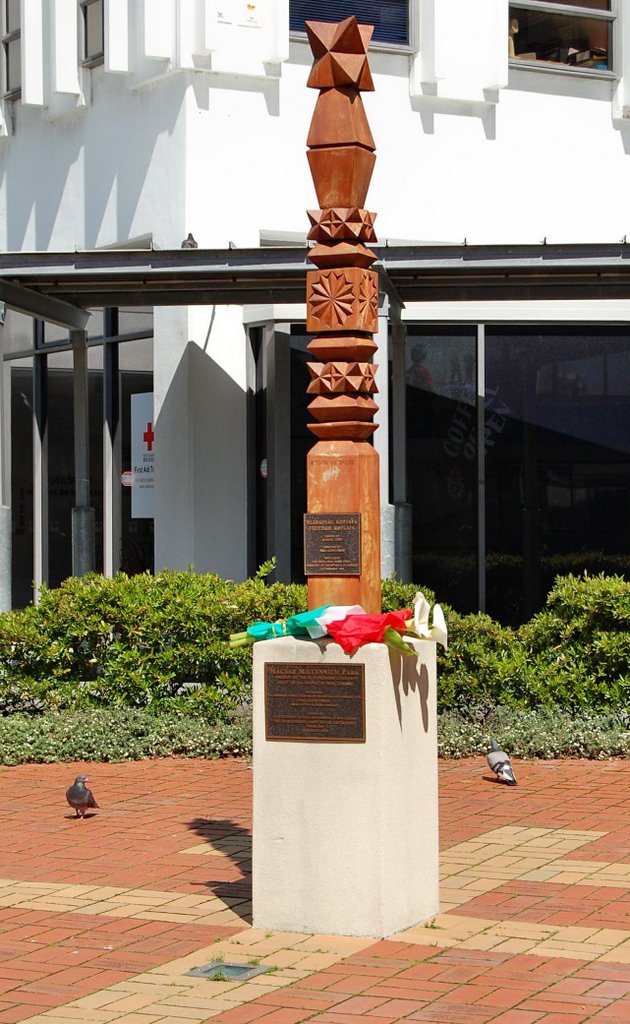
point(11, 46)
point(389, 17)
point(560, 33)
point(93, 32)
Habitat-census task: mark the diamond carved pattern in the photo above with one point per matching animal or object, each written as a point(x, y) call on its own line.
point(342, 378)
point(342, 224)
point(342, 294)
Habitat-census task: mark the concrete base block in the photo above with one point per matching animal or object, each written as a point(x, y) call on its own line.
point(345, 835)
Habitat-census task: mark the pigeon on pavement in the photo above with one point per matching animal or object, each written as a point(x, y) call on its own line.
point(500, 764)
point(80, 797)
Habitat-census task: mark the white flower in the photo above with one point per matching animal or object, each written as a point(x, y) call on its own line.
point(437, 631)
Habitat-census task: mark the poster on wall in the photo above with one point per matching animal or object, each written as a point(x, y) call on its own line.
point(142, 456)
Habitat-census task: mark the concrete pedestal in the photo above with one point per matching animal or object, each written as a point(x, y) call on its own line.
point(345, 835)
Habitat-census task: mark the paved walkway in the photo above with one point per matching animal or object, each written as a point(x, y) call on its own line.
point(102, 920)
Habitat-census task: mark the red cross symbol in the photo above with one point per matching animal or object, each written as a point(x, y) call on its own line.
point(149, 437)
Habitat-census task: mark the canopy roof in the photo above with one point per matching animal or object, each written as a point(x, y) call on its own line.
point(61, 286)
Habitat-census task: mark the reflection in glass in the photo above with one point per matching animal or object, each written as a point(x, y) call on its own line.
point(442, 461)
point(558, 474)
point(22, 482)
point(61, 478)
point(576, 41)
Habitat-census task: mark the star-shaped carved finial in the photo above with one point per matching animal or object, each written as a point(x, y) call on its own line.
point(340, 52)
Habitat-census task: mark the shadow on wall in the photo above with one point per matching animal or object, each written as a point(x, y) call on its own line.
point(122, 176)
point(201, 513)
point(33, 199)
point(104, 153)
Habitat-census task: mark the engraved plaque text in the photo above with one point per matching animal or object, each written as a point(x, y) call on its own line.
point(315, 703)
point(332, 544)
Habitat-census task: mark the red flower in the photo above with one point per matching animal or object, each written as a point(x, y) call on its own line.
point(356, 630)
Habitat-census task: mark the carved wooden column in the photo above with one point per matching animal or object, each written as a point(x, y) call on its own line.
point(342, 525)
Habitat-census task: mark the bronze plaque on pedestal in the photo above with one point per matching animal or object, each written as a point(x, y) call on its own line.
point(315, 703)
point(332, 544)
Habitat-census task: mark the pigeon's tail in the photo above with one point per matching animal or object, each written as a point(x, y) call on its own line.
point(505, 772)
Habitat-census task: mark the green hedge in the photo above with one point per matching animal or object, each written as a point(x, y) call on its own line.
point(160, 643)
point(156, 642)
point(575, 654)
point(122, 734)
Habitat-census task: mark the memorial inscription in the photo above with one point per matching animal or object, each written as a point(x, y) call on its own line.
point(315, 703)
point(332, 544)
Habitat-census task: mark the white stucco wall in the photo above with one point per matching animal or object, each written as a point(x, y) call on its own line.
point(202, 127)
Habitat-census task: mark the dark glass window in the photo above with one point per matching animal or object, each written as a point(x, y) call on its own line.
point(581, 39)
point(93, 32)
point(442, 461)
point(558, 470)
point(61, 477)
point(22, 482)
point(12, 53)
point(389, 17)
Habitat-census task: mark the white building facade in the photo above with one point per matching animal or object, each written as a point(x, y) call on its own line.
point(127, 124)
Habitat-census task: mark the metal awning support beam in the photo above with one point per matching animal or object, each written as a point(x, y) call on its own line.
point(42, 307)
point(60, 286)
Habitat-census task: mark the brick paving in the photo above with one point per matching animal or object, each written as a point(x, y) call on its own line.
point(102, 920)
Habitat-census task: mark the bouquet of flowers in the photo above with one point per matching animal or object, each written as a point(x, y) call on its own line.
point(351, 627)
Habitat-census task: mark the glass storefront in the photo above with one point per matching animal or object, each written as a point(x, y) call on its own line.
point(555, 469)
point(558, 475)
point(41, 385)
point(441, 395)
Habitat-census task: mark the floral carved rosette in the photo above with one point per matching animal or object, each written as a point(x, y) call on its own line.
point(342, 294)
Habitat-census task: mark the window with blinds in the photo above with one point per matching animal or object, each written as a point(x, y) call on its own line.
point(389, 17)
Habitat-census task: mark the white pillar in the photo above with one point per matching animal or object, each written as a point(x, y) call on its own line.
point(200, 411)
point(345, 834)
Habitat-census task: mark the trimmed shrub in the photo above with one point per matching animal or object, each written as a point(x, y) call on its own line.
point(157, 642)
point(117, 735)
point(575, 654)
point(160, 644)
point(121, 734)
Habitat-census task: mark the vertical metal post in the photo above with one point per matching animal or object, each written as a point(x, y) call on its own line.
point(277, 342)
point(5, 488)
point(40, 461)
point(481, 467)
point(382, 437)
point(82, 514)
point(112, 452)
point(403, 538)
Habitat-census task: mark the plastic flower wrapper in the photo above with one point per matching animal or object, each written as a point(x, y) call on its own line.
point(333, 613)
point(356, 630)
point(295, 625)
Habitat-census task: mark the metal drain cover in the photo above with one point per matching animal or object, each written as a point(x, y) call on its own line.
point(219, 971)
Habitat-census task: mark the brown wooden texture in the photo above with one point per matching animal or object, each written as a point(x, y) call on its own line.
point(344, 299)
point(342, 346)
point(342, 307)
point(342, 476)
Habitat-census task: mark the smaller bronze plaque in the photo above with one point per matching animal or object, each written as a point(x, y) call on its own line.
point(315, 703)
point(332, 544)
